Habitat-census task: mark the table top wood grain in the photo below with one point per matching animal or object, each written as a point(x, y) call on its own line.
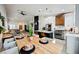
point(50, 48)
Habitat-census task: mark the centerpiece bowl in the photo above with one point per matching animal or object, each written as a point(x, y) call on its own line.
point(43, 41)
point(28, 49)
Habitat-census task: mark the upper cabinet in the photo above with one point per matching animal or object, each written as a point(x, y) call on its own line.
point(77, 15)
point(59, 20)
point(70, 19)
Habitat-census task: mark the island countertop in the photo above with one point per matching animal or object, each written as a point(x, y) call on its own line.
point(45, 31)
point(72, 34)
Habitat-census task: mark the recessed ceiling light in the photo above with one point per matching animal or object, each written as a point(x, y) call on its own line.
point(39, 10)
point(63, 10)
point(46, 8)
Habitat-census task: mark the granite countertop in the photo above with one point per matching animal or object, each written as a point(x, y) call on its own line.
point(72, 34)
point(44, 31)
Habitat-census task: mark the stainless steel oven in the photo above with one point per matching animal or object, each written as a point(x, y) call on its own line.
point(59, 34)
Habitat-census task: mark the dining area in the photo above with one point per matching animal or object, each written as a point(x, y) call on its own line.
point(25, 44)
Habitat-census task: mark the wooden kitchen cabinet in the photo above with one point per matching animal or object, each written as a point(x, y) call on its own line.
point(59, 20)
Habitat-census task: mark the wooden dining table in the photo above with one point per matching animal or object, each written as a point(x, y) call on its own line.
point(50, 48)
point(6, 36)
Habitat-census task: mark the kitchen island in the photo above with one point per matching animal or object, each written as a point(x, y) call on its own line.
point(44, 33)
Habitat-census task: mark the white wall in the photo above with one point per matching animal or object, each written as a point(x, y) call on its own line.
point(43, 20)
point(14, 21)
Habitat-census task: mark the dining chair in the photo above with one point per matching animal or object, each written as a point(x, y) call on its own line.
point(9, 45)
point(13, 50)
point(9, 40)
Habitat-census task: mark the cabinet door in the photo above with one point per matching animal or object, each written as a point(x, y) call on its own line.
point(70, 20)
point(59, 20)
point(72, 45)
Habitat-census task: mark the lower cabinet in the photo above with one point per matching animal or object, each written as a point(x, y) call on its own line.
point(72, 45)
point(43, 34)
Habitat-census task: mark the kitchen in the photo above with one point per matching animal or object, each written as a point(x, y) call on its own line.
point(58, 26)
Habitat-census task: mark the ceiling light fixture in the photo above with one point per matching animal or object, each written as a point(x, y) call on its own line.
point(22, 12)
point(46, 8)
point(39, 10)
point(62, 10)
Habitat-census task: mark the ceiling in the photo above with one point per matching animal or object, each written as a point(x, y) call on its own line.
point(35, 9)
point(38, 9)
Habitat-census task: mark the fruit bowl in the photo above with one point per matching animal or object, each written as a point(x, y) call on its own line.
point(27, 49)
point(43, 41)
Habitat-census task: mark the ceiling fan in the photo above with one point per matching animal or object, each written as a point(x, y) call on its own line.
point(22, 12)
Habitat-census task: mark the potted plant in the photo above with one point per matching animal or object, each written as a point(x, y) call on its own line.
point(1, 31)
point(2, 19)
point(30, 32)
